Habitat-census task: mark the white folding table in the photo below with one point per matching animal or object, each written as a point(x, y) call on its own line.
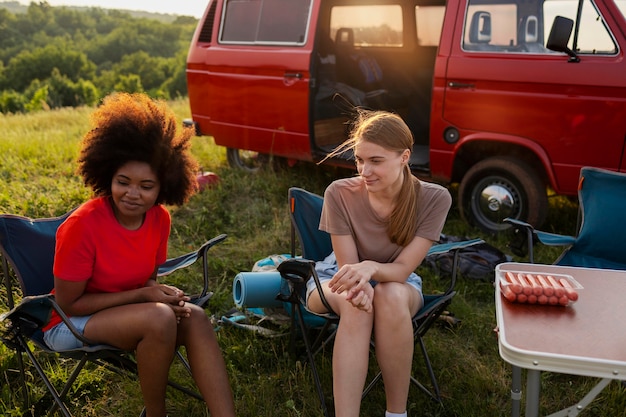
point(585, 338)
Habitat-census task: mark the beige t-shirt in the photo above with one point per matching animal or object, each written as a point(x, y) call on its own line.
point(347, 211)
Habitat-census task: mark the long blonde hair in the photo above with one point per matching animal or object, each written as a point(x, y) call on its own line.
point(389, 131)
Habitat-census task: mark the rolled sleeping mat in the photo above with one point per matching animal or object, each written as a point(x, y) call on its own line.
point(257, 289)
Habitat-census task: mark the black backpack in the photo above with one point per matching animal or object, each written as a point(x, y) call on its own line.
point(475, 262)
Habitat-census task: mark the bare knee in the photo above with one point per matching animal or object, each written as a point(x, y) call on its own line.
point(161, 321)
point(391, 301)
point(197, 321)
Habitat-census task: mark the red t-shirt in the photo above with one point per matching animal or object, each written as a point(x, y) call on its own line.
point(92, 246)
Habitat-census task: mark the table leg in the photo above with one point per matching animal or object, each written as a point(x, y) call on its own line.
point(516, 391)
point(532, 392)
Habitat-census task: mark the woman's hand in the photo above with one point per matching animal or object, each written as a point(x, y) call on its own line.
point(171, 296)
point(352, 277)
point(362, 299)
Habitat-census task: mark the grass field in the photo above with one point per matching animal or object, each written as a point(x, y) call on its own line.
point(37, 178)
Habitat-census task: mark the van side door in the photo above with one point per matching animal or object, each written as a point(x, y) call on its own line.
point(249, 85)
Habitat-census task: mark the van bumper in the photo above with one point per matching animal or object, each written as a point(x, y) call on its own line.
point(191, 123)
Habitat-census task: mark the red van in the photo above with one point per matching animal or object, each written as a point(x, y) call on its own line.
point(508, 98)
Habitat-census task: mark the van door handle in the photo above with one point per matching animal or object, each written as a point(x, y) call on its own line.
point(297, 75)
point(453, 84)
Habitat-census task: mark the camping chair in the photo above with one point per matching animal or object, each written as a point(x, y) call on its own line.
point(602, 229)
point(305, 209)
point(599, 243)
point(27, 249)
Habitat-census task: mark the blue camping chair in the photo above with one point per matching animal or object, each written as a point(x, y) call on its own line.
point(27, 252)
point(600, 237)
point(599, 243)
point(305, 209)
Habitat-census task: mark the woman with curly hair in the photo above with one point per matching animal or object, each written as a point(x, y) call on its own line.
point(108, 251)
point(381, 224)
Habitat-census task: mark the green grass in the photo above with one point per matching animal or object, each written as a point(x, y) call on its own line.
point(37, 178)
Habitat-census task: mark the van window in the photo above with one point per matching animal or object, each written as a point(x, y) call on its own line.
point(373, 26)
point(509, 27)
point(490, 27)
point(267, 22)
point(593, 36)
point(429, 21)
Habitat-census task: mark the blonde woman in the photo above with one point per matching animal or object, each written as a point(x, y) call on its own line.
point(382, 223)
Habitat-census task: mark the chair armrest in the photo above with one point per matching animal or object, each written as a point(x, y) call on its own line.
point(552, 239)
point(452, 246)
point(296, 272)
point(533, 236)
point(188, 259)
point(69, 324)
point(33, 313)
point(183, 261)
point(455, 248)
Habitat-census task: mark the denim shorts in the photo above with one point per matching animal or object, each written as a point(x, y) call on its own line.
point(327, 268)
point(60, 336)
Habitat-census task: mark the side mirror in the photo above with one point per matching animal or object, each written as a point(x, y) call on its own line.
point(559, 36)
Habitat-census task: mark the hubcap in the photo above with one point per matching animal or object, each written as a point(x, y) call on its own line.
point(497, 202)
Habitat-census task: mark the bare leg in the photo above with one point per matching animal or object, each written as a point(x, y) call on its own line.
point(206, 361)
point(394, 305)
point(150, 330)
point(350, 353)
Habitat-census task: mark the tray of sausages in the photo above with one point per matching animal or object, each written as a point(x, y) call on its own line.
point(538, 288)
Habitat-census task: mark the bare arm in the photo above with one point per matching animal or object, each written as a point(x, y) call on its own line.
point(353, 275)
point(73, 299)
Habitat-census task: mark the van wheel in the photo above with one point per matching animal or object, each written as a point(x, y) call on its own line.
point(497, 188)
point(246, 160)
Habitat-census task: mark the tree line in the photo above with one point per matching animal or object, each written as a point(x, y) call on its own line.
point(54, 57)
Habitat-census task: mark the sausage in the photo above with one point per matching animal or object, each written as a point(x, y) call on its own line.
point(547, 289)
point(526, 288)
point(507, 292)
point(570, 292)
point(522, 298)
point(537, 289)
point(559, 291)
point(515, 286)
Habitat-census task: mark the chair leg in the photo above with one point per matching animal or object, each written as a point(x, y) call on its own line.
point(46, 381)
point(434, 394)
point(320, 343)
point(372, 384)
point(25, 396)
point(311, 359)
point(68, 383)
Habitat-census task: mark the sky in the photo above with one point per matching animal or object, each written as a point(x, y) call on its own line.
point(182, 7)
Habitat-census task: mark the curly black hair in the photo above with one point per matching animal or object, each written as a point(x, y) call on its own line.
point(134, 127)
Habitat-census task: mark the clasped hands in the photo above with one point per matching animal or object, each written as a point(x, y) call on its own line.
point(355, 280)
point(173, 297)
